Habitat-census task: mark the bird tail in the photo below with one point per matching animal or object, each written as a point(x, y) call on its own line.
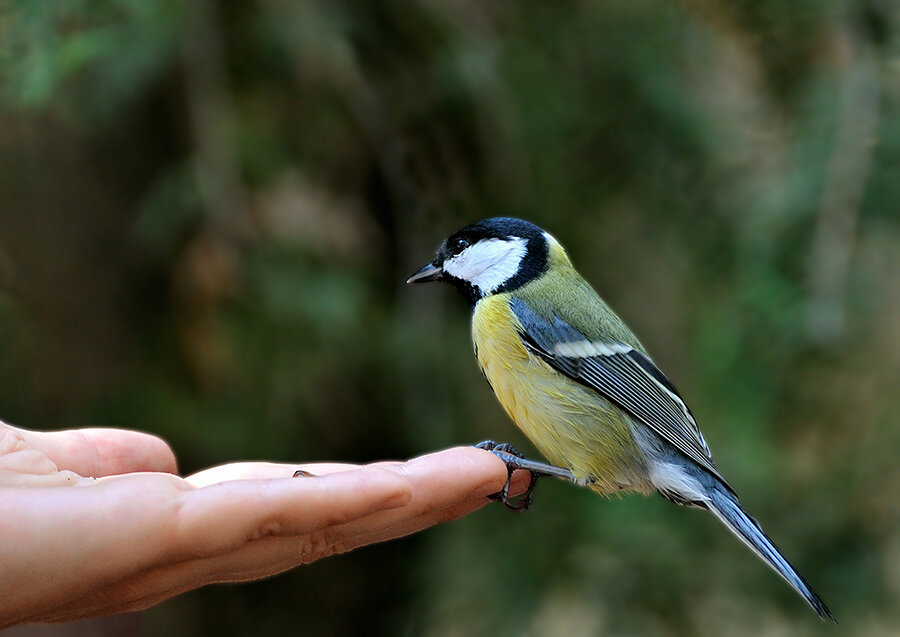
point(725, 507)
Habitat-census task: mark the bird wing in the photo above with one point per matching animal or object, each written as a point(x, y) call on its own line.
point(619, 373)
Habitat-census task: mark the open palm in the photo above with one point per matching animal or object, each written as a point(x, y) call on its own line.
point(95, 521)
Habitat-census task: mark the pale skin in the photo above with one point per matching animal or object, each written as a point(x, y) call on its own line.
point(96, 521)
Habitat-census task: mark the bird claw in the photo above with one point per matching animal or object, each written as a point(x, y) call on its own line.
point(506, 452)
point(515, 460)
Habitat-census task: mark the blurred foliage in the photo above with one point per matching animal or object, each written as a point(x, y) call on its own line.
point(208, 209)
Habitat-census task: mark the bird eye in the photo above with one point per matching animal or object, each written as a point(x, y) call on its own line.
point(458, 246)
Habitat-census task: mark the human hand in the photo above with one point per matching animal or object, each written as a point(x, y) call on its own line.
point(94, 522)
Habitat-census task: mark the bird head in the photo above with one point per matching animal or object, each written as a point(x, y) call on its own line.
point(489, 257)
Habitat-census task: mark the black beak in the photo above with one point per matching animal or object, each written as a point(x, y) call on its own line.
point(428, 272)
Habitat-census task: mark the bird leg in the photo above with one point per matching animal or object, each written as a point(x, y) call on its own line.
point(515, 460)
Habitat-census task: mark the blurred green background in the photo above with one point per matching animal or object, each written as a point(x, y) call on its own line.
point(208, 210)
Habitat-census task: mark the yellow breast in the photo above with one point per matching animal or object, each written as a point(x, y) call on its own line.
point(573, 426)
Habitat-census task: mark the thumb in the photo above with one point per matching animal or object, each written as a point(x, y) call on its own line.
point(103, 452)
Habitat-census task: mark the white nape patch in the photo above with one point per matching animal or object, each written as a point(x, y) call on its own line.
point(672, 478)
point(588, 349)
point(489, 263)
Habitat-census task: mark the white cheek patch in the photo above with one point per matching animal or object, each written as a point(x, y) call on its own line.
point(489, 263)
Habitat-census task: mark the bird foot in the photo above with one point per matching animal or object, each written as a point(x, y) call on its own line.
point(515, 460)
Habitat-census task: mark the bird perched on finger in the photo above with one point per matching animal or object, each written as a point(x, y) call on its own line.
point(579, 384)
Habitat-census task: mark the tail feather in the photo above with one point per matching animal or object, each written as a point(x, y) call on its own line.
point(726, 508)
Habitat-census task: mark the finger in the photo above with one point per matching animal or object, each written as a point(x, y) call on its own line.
point(420, 522)
point(225, 515)
point(436, 481)
point(262, 471)
point(446, 477)
point(384, 527)
point(411, 525)
point(103, 452)
point(303, 506)
point(23, 465)
point(276, 554)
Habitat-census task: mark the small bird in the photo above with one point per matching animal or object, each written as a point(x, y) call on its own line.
point(580, 385)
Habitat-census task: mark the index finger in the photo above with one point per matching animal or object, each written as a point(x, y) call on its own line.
point(226, 514)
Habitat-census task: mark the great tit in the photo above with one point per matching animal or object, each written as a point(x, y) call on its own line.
point(580, 385)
